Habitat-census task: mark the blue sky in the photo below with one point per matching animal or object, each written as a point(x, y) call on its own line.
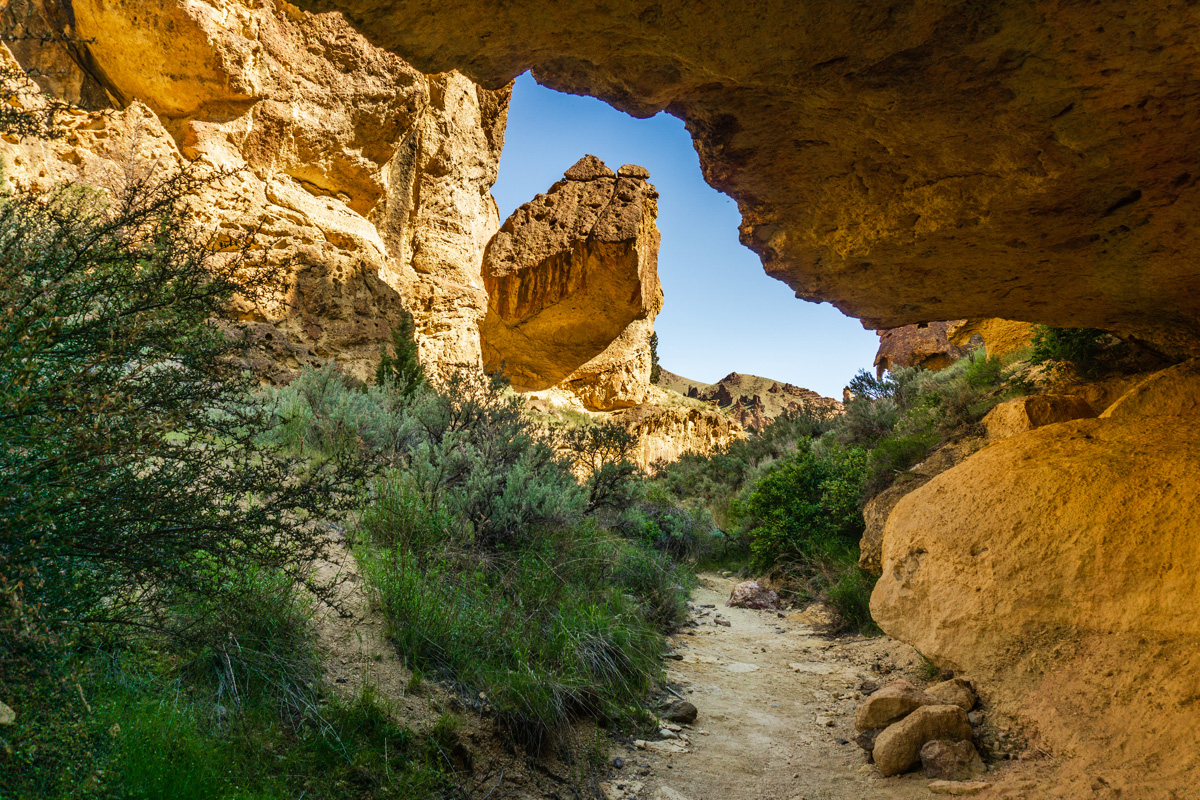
point(722, 313)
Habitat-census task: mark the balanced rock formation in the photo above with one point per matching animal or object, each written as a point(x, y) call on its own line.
point(572, 282)
point(912, 163)
point(366, 177)
point(753, 401)
point(1061, 566)
point(924, 345)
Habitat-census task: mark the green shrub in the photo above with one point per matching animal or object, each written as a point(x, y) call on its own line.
point(850, 595)
point(1074, 347)
point(806, 507)
point(131, 464)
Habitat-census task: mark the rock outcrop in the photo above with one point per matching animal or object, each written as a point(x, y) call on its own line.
point(572, 282)
point(923, 345)
point(368, 178)
point(664, 433)
point(1061, 567)
point(753, 401)
point(911, 163)
point(1026, 413)
point(1001, 337)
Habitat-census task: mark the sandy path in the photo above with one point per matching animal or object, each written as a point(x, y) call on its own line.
point(774, 699)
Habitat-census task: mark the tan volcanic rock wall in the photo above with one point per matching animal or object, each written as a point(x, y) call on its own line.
point(1001, 337)
point(666, 433)
point(572, 281)
point(924, 161)
point(371, 179)
point(1060, 568)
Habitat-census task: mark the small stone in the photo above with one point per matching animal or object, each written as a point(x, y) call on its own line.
point(752, 594)
point(618, 762)
point(898, 748)
point(866, 740)
point(951, 761)
point(724, 623)
point(680, 711)
point(975, 718)
point(588, 168)
point(954, 692)
point(959, 789)
point(891, 704)
point(842, 741)
point(7, 715)
point(667, 733)
point(633, 171)
point(868, 687)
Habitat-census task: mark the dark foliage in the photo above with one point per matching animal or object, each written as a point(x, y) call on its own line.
point(401, 369)
point(655, 369)
point(130, 462)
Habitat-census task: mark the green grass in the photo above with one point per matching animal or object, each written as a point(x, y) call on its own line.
point(563, 624)
point(146, 717)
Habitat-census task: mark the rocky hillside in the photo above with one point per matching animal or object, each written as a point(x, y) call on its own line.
point(753, 401)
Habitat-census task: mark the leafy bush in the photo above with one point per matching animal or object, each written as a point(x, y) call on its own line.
point(806, 507)
point(1074, 347)
point(131, 464)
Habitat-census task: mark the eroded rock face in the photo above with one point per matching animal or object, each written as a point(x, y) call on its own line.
point(911, 163)
point(1000, 336)
point(665, 433)
point(371, 179)
point(572, 282)
point(1026, 413)
point(925, 346)
point(1060, 568)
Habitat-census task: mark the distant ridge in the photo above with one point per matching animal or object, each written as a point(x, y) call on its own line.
point(751, 400)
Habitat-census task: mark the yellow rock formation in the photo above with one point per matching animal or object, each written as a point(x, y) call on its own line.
point(927, 161)
point(1060, 569)
point(572, 280)
point(369, 178)
point(1001, 337)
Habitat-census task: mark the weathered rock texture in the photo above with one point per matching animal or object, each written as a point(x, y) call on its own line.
point(572, 281)
point(753, 401)
point(1060, 568)
point(1026, 413)
point(371, 179)
point(665, 433)
point(921, 345)
point(879, 508)
point(1001, 337)
point(927, 161)
point(898, 749)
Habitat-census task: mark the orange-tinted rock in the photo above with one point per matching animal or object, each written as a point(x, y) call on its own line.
point(921, 345)
point(1026, 413)
point(368, 178)
point(572, 281)
point(910, 163)
point(1060, 568)
point(1001, 337)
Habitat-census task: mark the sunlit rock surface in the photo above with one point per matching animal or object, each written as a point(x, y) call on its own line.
point(572, 281)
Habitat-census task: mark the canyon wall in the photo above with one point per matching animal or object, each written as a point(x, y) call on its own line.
point(369, 179)
point(925, 161)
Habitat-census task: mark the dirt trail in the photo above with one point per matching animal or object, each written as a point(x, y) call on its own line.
point(774, 699)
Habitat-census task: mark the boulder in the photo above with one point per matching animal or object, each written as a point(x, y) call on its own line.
point(954, 692)
point(680, 711)
point(752, 594)
point(1027, 413)
point(890, 704)
point(898, 748)
point(951, 761)
point(572, 282)
point(1060, 567)
point(7, 715)
point(924, 345)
